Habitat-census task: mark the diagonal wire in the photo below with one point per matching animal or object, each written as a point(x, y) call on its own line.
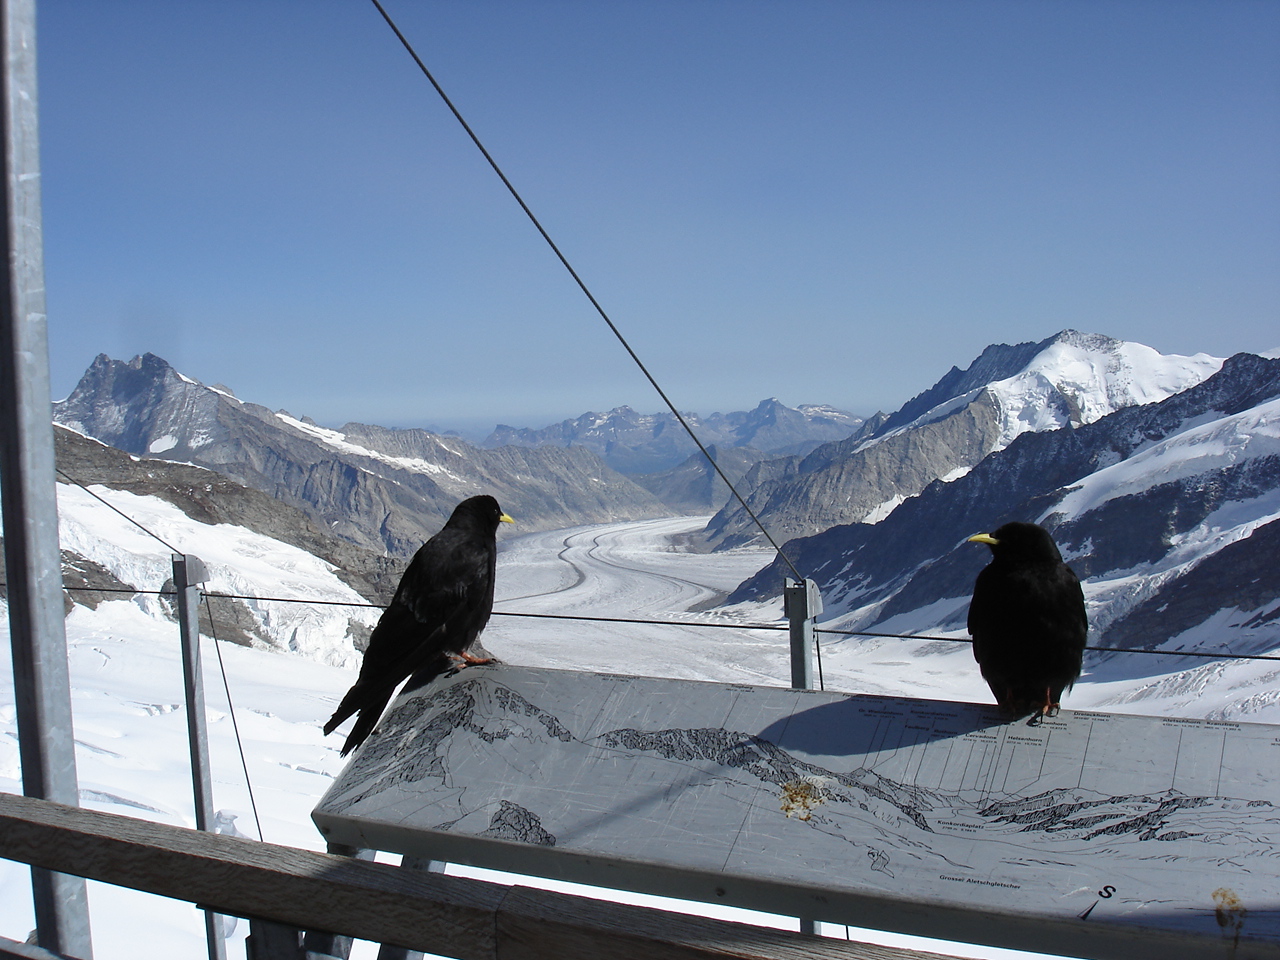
point(231, 707)
point(582, 286)
point(155, 536)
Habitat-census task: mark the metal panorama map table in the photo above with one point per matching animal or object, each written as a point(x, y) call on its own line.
point(1092, 834)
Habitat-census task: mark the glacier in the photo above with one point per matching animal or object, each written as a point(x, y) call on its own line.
point(127, 681)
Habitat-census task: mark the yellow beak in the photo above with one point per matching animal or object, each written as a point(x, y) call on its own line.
point(983, 538)
point(505, 519)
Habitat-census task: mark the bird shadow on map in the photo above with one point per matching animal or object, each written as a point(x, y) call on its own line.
point(862, 725)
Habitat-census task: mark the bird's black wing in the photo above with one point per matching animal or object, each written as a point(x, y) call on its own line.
point(380, 669)
point(1075, 593)
point(451, 587)
point(1071, 619)
point(984, 612)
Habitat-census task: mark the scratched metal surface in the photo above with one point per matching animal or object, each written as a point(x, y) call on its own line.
point(898, 813)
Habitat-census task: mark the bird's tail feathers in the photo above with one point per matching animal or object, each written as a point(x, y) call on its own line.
point(349, 705)
point(365, 691)
point(338, 716)
point(369, 702)
point(365, 722)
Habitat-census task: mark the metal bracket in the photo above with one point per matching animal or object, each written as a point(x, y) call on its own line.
point(801, 602)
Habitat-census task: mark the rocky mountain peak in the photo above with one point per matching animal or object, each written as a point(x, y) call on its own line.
point(143, 406)
point(996, 362)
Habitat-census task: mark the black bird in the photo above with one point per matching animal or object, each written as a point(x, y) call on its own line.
point(441, 606)
point(1027, 620)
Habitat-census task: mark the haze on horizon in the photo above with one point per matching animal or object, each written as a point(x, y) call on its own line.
point(826, 203)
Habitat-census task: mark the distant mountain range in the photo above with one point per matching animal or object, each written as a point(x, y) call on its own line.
point(1170, 512)
point(388, 490)
point(1157, 474)
point(1067, 380)
point(634, 443)
point(383, 490)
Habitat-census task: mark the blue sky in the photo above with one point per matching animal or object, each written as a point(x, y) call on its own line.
point(825, 202)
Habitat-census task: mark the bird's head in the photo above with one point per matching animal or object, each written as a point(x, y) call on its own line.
point(1020, 541)
point(483, 510)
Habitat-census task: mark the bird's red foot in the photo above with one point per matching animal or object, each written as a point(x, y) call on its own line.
point(1050, 707)
point(1046, 708)
point(467, 659)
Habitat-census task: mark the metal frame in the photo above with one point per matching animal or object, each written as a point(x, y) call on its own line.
point(27, 474)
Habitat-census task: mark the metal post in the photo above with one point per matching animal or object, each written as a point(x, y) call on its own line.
point(29, 489)
point(332, 946)
point(327, 946)
point(268, 940)
point(188, 573)
point(388, 952)
point(802, 602)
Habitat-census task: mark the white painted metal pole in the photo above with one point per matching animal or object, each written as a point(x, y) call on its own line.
point(28, 487)
point(801, 603)
point(188, 573)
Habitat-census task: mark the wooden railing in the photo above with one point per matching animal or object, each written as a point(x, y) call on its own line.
point(13, 950)
point(453, 916)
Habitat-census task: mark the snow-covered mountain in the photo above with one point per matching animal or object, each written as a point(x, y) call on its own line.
point(1069, 380)
point(253, 544)
point(1169, 511)
point(638, 443)
point(385, 490)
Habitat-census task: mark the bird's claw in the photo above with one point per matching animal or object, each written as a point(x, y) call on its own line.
point(1046, 709)
point(463, 660)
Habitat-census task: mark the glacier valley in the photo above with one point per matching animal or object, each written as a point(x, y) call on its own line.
point(127, 685)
